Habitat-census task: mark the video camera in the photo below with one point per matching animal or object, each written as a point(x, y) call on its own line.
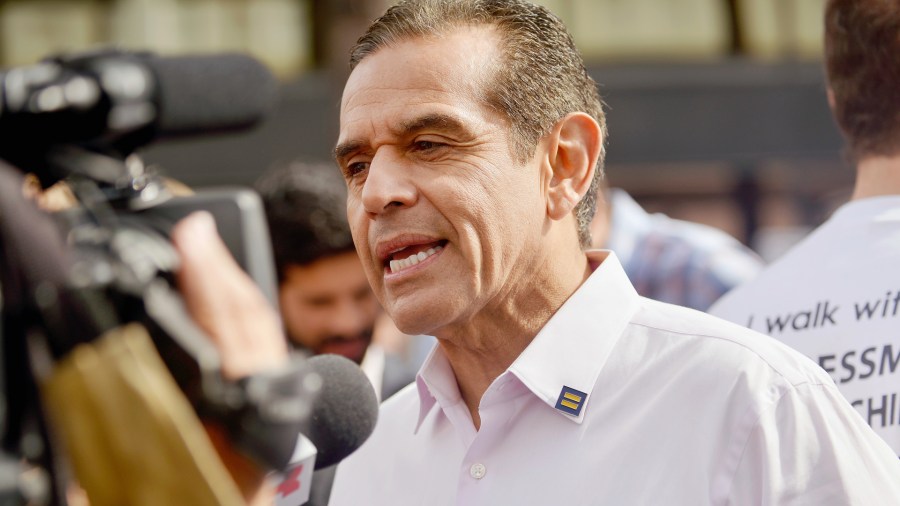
point(105, 260)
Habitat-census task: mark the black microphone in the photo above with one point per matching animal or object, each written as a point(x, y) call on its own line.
point(121, 91)
point(205, 94)
point(121, 100)
point(345, 411)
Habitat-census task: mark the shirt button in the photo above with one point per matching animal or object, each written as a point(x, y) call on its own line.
point(477, 471)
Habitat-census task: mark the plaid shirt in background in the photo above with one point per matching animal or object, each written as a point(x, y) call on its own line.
point(676, 261)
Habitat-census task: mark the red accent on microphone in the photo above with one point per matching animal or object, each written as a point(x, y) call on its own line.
point(290, 483)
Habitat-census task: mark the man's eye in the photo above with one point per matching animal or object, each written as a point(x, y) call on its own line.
point(426, 145)
point(356, 168)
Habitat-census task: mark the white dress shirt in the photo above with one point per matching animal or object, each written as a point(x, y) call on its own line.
point(666, 405)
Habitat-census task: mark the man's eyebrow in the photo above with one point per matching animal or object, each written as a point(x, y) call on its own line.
point(437, 121)
point(345, 148)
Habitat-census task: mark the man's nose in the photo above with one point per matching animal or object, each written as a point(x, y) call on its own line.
point(389, 184)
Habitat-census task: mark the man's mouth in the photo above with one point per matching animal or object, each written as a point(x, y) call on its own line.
point(409, 256)
point(354, 349)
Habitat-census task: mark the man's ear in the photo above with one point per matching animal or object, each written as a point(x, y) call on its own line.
point(573, 148)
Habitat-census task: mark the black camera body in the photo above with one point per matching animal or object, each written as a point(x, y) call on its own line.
point(241, 222)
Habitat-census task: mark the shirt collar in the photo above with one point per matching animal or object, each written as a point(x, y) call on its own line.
point(436, 382)
point(569, 351)
point(572, 348)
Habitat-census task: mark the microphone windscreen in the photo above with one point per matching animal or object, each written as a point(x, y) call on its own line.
point(345, 412)
point(208, 93)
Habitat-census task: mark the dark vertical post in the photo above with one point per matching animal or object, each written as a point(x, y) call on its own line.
point(747, 194)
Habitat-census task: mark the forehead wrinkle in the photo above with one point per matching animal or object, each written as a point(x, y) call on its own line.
point(429, 120)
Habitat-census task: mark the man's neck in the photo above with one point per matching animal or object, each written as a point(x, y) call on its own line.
point(482, 349)
point(877, 176)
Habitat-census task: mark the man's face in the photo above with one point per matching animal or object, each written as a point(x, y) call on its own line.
point(328, 306)
point(432, 176)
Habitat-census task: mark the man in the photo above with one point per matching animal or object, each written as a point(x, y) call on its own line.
point(471, 139)
point(326, 302)
point(835, 296)
point(669, 260)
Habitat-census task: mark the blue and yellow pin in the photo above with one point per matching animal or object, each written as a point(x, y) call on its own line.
point(570, 401)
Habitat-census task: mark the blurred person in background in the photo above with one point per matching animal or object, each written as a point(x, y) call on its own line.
point(669, 260)
point(836, 295)
point(324, 297)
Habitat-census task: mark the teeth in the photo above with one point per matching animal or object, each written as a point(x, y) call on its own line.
point(399, 265)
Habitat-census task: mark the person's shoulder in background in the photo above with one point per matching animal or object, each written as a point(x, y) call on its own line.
point(676, 261)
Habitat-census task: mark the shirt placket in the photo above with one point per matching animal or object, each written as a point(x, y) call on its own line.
point(475, 482)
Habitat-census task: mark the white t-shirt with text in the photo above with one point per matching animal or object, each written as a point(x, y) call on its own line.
point(836, 298)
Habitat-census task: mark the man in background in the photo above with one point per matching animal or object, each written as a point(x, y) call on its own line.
point(836, 295)
point(670, 260)
point(325, 300)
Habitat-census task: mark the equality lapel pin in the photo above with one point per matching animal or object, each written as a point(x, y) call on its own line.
point(570, 401)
